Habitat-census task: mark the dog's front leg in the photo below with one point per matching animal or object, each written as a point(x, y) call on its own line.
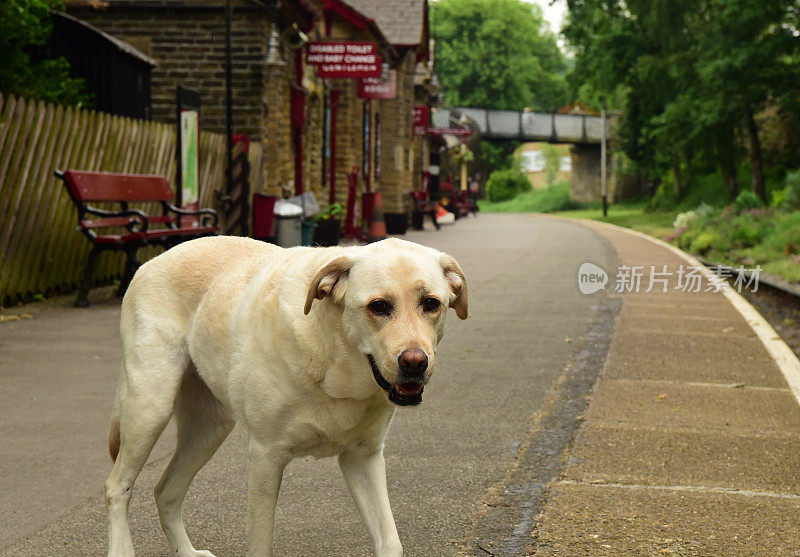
point(365, 474)
point(264, 481)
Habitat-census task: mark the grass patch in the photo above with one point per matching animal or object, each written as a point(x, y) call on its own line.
point(555, 198)
point(630, 215)
point(787, 269)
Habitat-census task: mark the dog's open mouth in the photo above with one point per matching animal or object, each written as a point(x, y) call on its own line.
point(408, 393)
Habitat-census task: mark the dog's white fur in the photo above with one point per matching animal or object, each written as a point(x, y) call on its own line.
point(220, 330)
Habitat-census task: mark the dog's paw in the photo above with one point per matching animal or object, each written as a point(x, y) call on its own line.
point(197, 553)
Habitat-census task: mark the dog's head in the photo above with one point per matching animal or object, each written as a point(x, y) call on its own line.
point(394, 297)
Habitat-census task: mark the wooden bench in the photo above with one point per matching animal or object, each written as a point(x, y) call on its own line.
point(133, 225)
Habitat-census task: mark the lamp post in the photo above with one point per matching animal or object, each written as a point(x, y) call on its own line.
point(603, 157)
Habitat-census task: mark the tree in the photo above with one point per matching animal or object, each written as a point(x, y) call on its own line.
point(552, 163)
point(626, 51)
point(24, 25)
point(747, 53)
point(497, 54)
point(693, 71)
point(496, 155)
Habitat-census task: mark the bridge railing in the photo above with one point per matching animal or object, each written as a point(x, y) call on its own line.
point(535, 126)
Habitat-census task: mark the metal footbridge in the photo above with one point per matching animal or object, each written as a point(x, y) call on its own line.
point(524, 126)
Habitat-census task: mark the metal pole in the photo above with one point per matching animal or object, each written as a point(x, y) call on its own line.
point(603, 159)
point(229, 92)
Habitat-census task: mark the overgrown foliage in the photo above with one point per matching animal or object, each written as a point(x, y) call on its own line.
point(25, 24)
point(691, 77)
point(769, 238)
point(790, 195)
point(497, 54)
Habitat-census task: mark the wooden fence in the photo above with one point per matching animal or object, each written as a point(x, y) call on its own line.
point(40, 250)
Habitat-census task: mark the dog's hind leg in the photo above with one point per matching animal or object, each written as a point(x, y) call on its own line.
point(145, 399)
point(203, 424)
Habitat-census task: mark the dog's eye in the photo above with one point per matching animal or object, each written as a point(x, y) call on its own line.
point(380, 307)
point(430, 304)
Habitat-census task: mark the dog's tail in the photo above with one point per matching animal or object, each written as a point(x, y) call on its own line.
point(113, 438)
point(113, 433)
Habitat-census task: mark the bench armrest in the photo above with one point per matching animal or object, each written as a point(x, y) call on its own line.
point(204, 214)
point(137, 219)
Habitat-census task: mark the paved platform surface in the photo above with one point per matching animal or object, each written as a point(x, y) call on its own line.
point(689, 445)
point(691, 442)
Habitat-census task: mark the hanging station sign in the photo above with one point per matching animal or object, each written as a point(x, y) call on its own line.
point(377, 88)
point(344, 59)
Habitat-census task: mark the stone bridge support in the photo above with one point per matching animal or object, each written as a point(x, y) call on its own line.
point(585, 183)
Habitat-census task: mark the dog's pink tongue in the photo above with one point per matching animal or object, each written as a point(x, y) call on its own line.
point(408, 389)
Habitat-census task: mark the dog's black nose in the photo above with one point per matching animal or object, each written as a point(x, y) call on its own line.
point(413, 363)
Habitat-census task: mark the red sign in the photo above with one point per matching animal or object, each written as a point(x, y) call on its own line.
point(422, 119)
point(376, 88)
point(344, 59)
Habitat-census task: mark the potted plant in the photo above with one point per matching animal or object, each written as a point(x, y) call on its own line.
point(328, 229)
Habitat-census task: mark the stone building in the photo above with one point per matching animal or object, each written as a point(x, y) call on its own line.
point(405, 25)
point(314, 131)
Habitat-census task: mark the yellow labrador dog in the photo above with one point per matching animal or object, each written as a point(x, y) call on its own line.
point(226, 329)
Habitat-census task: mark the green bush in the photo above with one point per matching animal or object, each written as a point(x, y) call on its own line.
point(704, 241)
point(777, 198)
point(685, 240)
point(665, 196)
point(747, 199)
point(506, 184)
point(784, 234)
point(747, 230)
point(791, 192)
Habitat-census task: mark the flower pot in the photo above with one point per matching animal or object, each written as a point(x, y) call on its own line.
point(396, 223)
point(327, 233)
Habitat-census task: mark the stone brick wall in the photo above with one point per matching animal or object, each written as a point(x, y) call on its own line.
point(348, 135)
point(188, 43)
point(397, 145)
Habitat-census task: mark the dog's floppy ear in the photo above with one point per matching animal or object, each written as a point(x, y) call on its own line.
point(458, 285)
point(329, 280)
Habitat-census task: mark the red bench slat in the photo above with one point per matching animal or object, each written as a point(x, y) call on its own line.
point(109, 186)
